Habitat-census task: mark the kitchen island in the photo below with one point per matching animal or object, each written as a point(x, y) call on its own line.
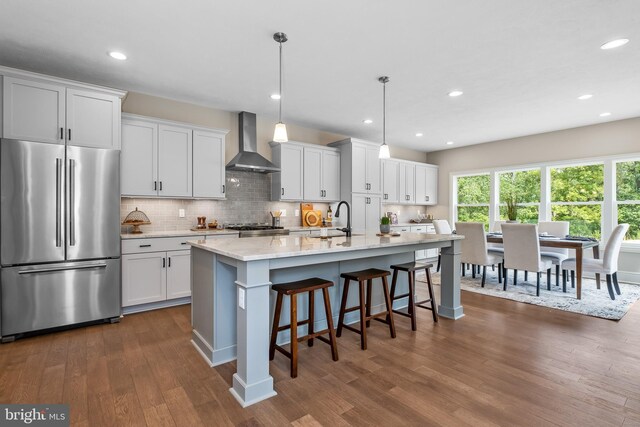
point(232, 302)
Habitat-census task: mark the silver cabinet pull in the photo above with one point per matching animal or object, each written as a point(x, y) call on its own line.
point(53, 270)
point(224, 189)
point(61, 133)
point(69, 139)
point(72, 201)
point(145, 246)
point(426, 198)
point(58, 202)
point(282, 191)
point(155, 185)
point(169, 261)
point(160, 185)
point(164, 262)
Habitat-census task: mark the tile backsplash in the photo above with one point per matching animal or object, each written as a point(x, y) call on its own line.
point(248, 200)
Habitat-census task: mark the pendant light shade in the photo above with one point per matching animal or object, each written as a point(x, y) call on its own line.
point(280, 132)
point(384, 148)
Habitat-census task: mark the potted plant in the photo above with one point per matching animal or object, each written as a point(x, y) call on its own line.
point(512, 209)
point(385, 225)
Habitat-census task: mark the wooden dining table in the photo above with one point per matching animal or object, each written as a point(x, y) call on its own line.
point(577, 245)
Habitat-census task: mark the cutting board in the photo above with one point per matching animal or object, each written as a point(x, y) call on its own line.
point(310, 217)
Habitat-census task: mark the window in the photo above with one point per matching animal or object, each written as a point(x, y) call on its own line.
point(628, 197)
point(577, 193)
point(473, 198)
point(523, 189)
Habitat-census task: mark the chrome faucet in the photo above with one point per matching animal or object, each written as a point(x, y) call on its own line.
point(346, 229)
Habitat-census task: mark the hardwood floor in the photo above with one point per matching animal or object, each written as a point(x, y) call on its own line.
point(505, 363)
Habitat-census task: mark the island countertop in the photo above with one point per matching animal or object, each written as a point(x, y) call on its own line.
point(271, 247)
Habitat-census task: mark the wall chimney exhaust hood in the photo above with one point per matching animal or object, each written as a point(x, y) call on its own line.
point(248, 159)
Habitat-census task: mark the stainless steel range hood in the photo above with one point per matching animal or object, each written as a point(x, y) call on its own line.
point(248, 158)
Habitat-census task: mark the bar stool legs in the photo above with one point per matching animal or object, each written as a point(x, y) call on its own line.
point(364, 303)
point(293, 289)
point(411, 269)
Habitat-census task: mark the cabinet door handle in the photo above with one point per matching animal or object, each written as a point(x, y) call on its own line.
point(169, 261)
point(282, 194)
point(160, 185)
point(61, 133)
point(155, 185)
point(426, 198)
point(145, 246)
point(224, 189)
point(164, 262)
point(183, 243)
point(69, 134)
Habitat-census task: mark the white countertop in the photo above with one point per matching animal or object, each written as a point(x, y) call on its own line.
point(257, 248)
point(177, 233)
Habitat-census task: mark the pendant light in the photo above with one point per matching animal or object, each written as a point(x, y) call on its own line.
point(384, 148)
point(280, 133)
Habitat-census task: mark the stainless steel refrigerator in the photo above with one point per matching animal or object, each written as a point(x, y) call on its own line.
point(59, 236)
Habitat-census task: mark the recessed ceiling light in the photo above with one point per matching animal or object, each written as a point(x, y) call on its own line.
point(455, 93)
point(419, 134)
point(449, 142)
point(614, 43)
point(367, 121)
point(585, 96)
point(605, 114)
point(118, 55)
point(275, 96)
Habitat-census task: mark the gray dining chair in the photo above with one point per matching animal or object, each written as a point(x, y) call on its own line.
point(555, 255)
point(607, 265)
point(522, 252)
point(474, 249)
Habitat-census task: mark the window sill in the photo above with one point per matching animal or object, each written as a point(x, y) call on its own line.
point(631, 247)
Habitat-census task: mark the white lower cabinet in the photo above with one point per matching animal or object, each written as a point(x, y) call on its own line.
point(155, 270)
point(426, 228)
point(365, 212)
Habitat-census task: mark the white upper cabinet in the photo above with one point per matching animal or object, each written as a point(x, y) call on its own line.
point(33, 111)
point(407, 180)
point(43, 109)
point(426, 185)
point(365, 169)
point(288, 183)
point(390, 171)
point(168, 159)
point(175, 160)
point(208, 164)
point(139, 158)
point(374, 172)
point(321, 174)
point(331, 175)
point(93, 119)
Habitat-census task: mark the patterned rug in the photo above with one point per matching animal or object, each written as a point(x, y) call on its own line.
point(594, 302)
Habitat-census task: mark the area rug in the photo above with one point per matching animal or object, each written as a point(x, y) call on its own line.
point(594, 302)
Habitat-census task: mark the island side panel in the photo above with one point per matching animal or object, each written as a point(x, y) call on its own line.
point(450, 305)
point(202, 314)
point(252, 382)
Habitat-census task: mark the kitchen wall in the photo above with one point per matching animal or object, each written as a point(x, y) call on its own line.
point(148, 105)
point(606, 139)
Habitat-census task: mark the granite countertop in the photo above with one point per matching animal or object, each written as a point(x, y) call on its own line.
point(176, 233)
point(271, 247)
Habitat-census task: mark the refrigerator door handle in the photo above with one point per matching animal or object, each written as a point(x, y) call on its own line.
point(72, 200)
point(51, 270)
point(59, 202)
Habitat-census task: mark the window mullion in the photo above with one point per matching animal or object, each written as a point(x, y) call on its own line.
point(494, 196)
point(609, 208)
point(545, 194)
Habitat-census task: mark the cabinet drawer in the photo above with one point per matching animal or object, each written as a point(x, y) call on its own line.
point(132, 246)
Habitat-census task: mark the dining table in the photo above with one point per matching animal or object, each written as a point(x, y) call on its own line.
point(577, 244)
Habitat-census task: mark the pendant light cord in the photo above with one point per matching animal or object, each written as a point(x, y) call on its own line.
point(384, 113)
point(280, 90)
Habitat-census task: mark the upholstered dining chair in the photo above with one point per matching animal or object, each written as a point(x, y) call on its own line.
point(442, 227)
point(474, 248)
point(496, 248)
point(522, 252)
point(607, 265)
point(556, 255)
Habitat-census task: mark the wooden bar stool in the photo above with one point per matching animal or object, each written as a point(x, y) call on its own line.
point(411, 268)
point(365, 308)
point(293, 289)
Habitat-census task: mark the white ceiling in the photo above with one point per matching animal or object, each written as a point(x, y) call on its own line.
point(520, 63)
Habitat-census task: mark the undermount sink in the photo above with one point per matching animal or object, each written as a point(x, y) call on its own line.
point(334, 235)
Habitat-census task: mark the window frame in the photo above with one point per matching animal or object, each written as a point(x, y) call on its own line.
point(617, 203)
point(469, 205)
point(609, 204)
